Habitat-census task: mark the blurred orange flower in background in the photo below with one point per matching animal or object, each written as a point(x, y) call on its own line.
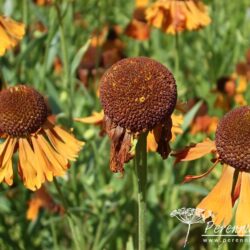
point(11, 32)
point(42, 2)
point(138, 27)
point(243, 68)
point(202, 122)
point(230, 91)
point(105, 49)
point(42, 199)
point(173, 16)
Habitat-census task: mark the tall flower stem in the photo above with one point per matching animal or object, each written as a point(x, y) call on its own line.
point(141, 173)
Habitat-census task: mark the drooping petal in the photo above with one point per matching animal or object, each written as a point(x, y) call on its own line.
point(6, 153)
point(196, 151)
point(69, 140)
point(10, 32)
point(121, 144)
point(35, 163)
point(61, 147)
point(219, 200)
point(95, 118)
point(42, 199)
point(237, 188)
point(151, 143)
point(42, 159)
point(189, 178)
point(242, 214)
point(57, 162)
point(163, 135)
point(26, 169)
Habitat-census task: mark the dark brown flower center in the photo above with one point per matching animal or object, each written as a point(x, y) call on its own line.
point(233, 138)
point(138, 93)
point(22, 111)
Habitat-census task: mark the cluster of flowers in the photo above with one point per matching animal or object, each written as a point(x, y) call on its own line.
point(138, 96)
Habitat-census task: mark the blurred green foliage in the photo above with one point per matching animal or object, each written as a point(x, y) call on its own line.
point(103, 205)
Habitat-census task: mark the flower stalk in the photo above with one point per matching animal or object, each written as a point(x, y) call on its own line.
point(141, 174)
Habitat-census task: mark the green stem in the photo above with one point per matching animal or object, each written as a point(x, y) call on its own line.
point(141, 172)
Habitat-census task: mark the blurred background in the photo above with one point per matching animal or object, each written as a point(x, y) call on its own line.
point(67, 47)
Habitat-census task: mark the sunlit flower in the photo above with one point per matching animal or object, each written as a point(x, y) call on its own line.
point(44, 149)
point(138, 27)
point(232, 149)
point(11, 32)
point(138, 95)
point(41, 199)
point(173, 16)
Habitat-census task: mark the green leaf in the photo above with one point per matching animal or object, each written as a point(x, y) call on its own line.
point(78, 57)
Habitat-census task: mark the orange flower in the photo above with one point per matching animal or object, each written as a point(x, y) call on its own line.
point(173, 16)
point(205, 123)
point(232, 149)
point(42, 199)
point(11, 33)
point(243, 68)
point(138, 27)
point(93, 62)
point(42, 2)
point(44, 149)
point(230, 91)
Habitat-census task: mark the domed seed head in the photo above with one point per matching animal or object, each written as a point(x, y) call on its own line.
point(22, 111)
point(233, 138)
point(138, 93)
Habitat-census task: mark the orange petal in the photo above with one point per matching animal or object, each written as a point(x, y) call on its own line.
point(57, 162)
point(6, 153)
point(141, 3)
point(26, 170)
point(195, 152)
point(95, 118)
point(219, 200)
point(13, 28)
point(242, 217)
point(10, 32)
point(62, 148)
point(242, 86)
point(151, 143)
point(41, 199)
point(237, 188)
point(42, 159)
point(5, 41)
